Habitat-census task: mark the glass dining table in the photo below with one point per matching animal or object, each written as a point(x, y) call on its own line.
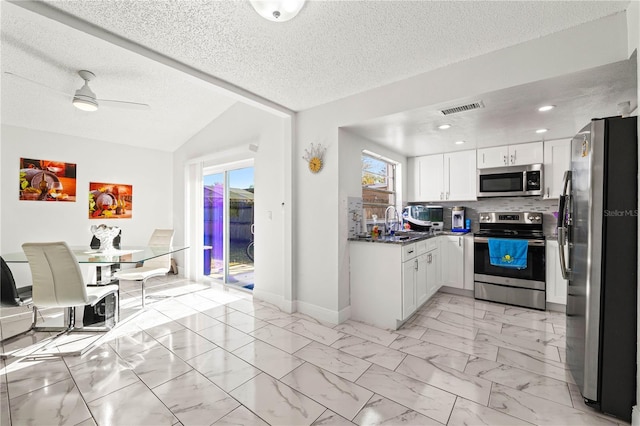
point(129, 254)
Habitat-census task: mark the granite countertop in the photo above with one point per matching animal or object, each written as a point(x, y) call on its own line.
point(405, 238)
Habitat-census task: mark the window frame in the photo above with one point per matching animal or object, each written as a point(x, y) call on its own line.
point(390, 178)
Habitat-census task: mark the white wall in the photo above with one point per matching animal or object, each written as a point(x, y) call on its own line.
point(318, 278)
point(147, 170)
point(226, 140)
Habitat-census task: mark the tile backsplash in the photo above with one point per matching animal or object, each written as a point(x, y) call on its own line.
point(503, 204)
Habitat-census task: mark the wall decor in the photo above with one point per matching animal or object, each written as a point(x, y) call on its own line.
point(315, 157)
point(47, 180)
point(110, 200)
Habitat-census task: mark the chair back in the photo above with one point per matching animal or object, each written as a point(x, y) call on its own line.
point(95, 242)
point(160, 238)
point(57, 279)
point(8, 291)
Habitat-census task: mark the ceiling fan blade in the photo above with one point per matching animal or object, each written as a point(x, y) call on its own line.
point(123, 104)
point(37, 83)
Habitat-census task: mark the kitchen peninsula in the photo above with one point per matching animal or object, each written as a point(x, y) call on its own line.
point(392, 276)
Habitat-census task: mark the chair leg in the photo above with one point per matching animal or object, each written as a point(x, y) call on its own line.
point(143, 293)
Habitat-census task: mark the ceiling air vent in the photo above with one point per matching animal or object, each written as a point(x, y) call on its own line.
point(462, 108)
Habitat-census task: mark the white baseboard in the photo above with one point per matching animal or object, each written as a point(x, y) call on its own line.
point(324, 314)
point(556, 307)
point(288, 306)
point(457, 291)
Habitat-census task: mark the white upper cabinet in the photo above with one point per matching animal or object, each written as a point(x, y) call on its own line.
point(526, 153)
point(557, 160)
point(493, 157)
point(460, 175)
point(429, 177)
point(443, 177)
point(511, 155)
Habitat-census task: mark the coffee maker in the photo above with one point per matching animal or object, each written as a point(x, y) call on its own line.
point(457, 218)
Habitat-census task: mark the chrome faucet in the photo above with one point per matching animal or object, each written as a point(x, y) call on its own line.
point(389, 226)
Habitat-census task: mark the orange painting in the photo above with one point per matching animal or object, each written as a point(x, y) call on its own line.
point(47, 180)
point(110, 200)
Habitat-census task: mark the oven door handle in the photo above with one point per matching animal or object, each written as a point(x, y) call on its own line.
point(536, 243)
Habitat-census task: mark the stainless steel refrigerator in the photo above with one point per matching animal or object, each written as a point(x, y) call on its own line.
point(597, 229)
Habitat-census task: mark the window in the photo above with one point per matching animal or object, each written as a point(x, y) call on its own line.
point(378, 185)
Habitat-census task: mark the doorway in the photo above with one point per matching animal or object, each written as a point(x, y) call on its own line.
point(228, 225)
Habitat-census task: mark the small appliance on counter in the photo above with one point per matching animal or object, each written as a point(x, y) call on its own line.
point(457, 219)
point(424, 218)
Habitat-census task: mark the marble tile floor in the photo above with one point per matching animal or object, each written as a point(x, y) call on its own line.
point(212, 355)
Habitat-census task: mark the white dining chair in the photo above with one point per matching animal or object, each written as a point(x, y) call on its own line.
point(11, 296)
point(57, 282)
point(153, 267)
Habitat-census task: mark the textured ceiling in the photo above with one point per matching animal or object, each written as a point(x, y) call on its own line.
point(510, 115)
point(332, 49)
point(45, 51)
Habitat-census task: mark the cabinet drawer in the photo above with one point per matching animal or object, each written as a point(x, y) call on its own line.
point(421, 247)
point(409, 252)
point(432, 243)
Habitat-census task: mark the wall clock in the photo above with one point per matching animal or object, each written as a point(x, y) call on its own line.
point(315, 164)
point(315, 157)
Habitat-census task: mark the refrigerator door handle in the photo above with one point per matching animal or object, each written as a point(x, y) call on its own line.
point(563, 207)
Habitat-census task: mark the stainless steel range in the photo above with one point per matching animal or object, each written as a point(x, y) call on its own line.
point(523, 286)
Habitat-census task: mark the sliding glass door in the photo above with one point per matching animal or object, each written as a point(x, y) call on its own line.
point(228, 225)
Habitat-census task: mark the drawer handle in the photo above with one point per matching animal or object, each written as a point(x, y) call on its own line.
point(410, 251)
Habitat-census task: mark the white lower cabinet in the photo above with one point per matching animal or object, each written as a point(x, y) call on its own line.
point(422, 292)
point(469, 278)
point(556, 285)
point(433, 272)
point(452, 249)
point(389, 282)
point(409, 278)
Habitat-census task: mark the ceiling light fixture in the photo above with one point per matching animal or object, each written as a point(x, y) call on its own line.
point(459, 142)
point(84, 98)
point(444, 126)
point(546, 108)
point(277, 10)
point(542, 130)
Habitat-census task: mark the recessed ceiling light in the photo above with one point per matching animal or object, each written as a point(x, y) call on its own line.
point(546, 108)
point(459, 142)
point(444, 126)
point(542, 130)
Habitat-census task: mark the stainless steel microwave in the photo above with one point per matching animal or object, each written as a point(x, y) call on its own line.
point(512, 181)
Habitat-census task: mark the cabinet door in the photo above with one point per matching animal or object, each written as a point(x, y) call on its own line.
point(421, 280)
point(452, 249)
point(526, 153)
point(433, 272)
point(557, 160)
point(556, 285)
point(430, 172)
point(409, 273)
point(493, 157)
point(469, 278)
point(460, 176)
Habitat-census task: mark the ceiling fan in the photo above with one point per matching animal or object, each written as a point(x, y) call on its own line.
point(84, 98)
